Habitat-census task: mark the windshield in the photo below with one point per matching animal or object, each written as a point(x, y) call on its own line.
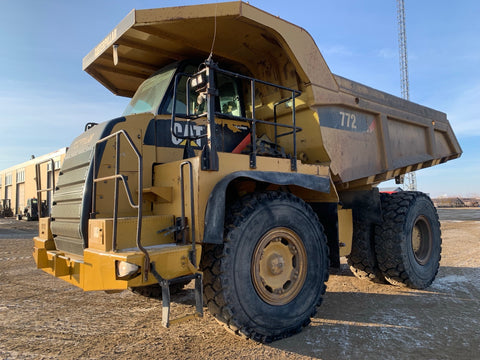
point(149, 95)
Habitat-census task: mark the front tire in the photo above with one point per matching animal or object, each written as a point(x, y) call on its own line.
point(267, 279)
point(408, 243)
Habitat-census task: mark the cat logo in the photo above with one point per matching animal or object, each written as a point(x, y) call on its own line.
point(184, 129)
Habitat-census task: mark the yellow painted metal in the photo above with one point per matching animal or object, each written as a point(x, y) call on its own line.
point(160, 193)
point(135, 127)
point(180, 32)
point(44, 231)
point(39, 242)
point(204, 182)
point(100, 232)
point(97, 269)
point(40, 248)
point(345, 231)
point(279, 266)
point(57, 264)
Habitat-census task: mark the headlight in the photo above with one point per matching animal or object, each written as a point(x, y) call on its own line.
point(126, 270)
point(197, 81)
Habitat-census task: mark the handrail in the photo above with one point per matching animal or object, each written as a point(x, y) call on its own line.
point(211, 90)
point(38, 184)
point(187, 116)
point(119, 177)
point(192, 210)
point(254, 121)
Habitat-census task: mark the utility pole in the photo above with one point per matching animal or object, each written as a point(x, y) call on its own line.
point(410, 178)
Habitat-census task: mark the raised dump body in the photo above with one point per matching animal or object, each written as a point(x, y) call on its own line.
point(241, 162)
point(369, 136)
point(382, 137)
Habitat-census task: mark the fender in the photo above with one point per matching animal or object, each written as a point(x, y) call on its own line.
point(366, 205)
point(215, 212)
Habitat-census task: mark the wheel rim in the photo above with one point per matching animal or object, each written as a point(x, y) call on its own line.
point(279, 266)
point(422, 240)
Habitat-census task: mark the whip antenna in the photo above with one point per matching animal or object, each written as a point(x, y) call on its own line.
point(214, 32)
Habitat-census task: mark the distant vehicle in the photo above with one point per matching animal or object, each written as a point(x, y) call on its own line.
point(30, 212)
point(6, 208)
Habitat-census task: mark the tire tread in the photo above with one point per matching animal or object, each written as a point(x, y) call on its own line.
point(216, 289)
point(388, 239)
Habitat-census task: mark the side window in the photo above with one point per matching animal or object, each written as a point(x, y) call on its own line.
point(228, 100)
point(228, 95)
point(181, 98)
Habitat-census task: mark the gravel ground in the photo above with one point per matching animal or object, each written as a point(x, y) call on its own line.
point(42, 317)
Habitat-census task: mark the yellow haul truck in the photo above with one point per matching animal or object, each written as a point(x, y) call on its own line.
point(243, 163)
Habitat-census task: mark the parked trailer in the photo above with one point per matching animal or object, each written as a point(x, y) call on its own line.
point(243, 163)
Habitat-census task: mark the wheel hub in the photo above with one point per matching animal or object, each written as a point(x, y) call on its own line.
point(275, 264)
point(422, 241)
point(279, 266)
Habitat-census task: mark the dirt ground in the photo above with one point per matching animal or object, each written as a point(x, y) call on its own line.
point(42, 317)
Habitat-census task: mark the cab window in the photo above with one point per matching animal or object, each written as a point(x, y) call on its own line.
point(227, 102)
point(228, 95)
point(181, 97)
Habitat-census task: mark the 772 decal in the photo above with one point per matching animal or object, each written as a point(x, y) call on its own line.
point(349, 120)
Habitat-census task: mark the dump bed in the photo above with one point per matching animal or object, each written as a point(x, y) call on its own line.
point(366, 135)
point(382, 136)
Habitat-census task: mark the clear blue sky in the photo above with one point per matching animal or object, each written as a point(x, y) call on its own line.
point(46, 99)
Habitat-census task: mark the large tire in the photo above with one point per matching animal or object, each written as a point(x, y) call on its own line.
point(362, 259)
point(267, 279)
point(408, 243)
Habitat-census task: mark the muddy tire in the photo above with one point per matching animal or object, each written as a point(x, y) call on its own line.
point(408, 243)
point(363, 260)
point(267, 279)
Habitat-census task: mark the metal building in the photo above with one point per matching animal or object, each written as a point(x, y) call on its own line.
point(18, 183)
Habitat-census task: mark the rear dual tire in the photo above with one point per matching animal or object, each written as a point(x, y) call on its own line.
point(408, 242)
point(362, 259)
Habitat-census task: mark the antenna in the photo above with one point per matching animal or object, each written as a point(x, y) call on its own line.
point(410, 178)
point(214, 32)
